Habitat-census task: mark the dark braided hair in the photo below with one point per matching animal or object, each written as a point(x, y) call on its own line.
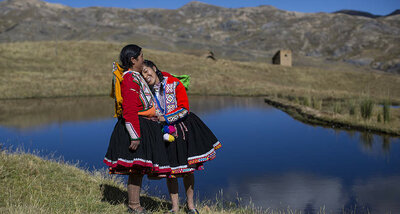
point(127, 53)
point(160, 76)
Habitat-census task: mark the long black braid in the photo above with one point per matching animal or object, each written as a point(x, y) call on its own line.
point(160, 76)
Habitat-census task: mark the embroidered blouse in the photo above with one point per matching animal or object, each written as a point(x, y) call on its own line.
point(173, 103)
point(137, 98)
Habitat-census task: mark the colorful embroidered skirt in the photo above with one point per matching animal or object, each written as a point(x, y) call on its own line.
point(149, 158)
point(194, 145)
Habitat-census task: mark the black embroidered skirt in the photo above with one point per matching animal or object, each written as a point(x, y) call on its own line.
point(194, 145)
point(150, 156)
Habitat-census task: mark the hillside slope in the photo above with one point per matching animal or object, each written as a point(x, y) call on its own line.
point(252, 34)
point(81, 68)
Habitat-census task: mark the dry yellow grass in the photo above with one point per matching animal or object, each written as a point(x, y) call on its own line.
point(50, 69)
point(82, 68)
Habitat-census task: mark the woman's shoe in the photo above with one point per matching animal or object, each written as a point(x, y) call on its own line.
point(170, 211)
point(135, 211)
point(192, 211)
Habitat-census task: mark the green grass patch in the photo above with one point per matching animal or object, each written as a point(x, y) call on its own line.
point(366, 108)
point(352, 107)
point(386, 111)
point(30, 184)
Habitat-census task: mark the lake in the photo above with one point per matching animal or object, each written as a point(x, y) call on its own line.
point(267, 157)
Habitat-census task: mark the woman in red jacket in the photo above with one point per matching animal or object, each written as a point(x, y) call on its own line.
point(136, 143)
point(189, 142)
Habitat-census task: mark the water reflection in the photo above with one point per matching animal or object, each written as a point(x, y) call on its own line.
point(381, 192)
point(375, 144)
point(298, 191)
point(310, 193)
point(29, 113)
point(385, 143)
point(209, 104)
point(367, 139)
point(351, 133)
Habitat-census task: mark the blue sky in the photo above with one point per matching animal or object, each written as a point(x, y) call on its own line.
point(378, 7)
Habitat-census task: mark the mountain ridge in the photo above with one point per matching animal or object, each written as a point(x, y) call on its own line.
point(249, 33)
point(366, 14)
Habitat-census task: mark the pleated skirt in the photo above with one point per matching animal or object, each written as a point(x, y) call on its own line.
point(149, 158)
point(194, 145)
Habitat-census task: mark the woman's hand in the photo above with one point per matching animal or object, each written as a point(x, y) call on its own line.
point(134, 144)
point(161, 118)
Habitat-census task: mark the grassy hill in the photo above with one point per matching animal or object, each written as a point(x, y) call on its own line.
point(78, 68)
point(82, 68)
point(32, 185)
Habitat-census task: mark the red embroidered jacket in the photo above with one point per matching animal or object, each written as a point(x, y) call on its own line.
point(176, 102)
point(135, 99)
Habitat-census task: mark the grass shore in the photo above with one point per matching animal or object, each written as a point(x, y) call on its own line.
point(33, 185)
point(30, 184)
point(308, 114)
point(82, 68)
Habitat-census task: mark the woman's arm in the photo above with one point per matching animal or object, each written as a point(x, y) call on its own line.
point(130, 106)
point(183, 105)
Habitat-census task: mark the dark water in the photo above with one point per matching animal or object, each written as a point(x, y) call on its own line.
point(267, 157)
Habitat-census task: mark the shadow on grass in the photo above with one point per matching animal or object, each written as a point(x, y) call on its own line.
point(116, 196)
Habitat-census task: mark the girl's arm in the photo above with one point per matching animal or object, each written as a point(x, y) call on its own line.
point(183, 105)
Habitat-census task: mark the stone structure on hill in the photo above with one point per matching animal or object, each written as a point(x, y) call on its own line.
point(283, 57)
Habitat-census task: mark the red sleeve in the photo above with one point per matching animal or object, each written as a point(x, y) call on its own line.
point(181, 96)
point(131, 104)
point(182, 102)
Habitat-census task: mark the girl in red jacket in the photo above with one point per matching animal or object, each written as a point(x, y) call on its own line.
point(189, 142)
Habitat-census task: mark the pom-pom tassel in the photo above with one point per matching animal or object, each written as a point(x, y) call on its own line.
point(172, 129)
point(169, 129)
point(169, 138)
